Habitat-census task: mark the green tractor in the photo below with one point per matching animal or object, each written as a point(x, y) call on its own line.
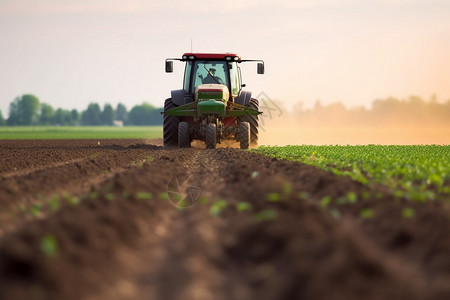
point(211, 107)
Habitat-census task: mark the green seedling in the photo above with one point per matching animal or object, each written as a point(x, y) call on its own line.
point(273, 197)
point(243, 206)
point(36, 209)
point(255, 174)
point(181, 204)
point(177, 198)
point(266, 215)
point(73, 200)
point(287, 191)
point(367, 213)
point(203, 200)
point(408, 213)
point(365, 195)
point(352, 197)
point(110, 197)
point(164, 196)
point(341, 200)
point(325, 201)
point(144, 195)
point(54, 203)
point(49, 246)
point(399, 194)
point(217, 207)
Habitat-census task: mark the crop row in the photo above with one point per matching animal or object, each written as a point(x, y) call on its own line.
point(419, 173)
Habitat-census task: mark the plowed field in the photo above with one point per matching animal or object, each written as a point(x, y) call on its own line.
point(86, 220)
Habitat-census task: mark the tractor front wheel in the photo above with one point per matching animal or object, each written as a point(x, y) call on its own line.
point(210, 136)
point(170, 126)
point(253, 120)
point(184, 140)
point(244, 135)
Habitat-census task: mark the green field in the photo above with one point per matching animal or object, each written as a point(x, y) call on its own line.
point(79, 132)
point(419, 173)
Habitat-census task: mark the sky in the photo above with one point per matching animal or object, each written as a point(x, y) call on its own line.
point(70, 53)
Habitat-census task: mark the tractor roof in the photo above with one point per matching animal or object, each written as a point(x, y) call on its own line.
point(210, 56)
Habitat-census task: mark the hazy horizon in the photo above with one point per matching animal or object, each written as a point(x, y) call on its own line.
point(72, 53)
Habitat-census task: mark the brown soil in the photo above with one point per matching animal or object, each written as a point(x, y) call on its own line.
point(123, 239)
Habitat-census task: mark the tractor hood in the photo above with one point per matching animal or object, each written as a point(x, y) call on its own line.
point(218, 92)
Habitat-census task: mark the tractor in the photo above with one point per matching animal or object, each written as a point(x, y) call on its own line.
point(211, 107)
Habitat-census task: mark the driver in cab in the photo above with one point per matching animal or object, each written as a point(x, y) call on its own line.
point(211, 78)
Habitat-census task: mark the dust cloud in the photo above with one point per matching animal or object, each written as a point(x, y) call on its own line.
point(389, 122)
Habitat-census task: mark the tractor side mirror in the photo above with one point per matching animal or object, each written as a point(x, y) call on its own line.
point(169, 66)
point(260, 68)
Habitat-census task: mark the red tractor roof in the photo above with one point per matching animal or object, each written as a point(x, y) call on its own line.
point(211, 55)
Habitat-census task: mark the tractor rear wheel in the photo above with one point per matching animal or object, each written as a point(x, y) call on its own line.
point(184, 140)
point(244, 135)
point(210, 136)
point(253, 120)
point(170, 126)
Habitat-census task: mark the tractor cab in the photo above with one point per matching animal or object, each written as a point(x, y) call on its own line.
point(212, 105)
point(207, 68)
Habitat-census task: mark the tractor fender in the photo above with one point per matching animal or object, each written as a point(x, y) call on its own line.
point(180, 97)
point(243, 98)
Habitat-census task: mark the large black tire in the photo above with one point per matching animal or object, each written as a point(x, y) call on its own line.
point(253, 120)
point(170, 126)
point(244, 135)
point(210, 136)
point(184, 140)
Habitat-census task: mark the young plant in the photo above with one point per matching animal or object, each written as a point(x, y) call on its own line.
point(266, 215)
point(49, 246)
point(217, 207)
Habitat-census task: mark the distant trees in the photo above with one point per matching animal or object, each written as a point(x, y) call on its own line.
point(413, 111)
point(64, 117)
point(121, 113)
point(75, 116)
point(91, 116)
point(27, 110)
point(24, 110)
point(107, 116)
point(2, 120)
point(47, 114)
point(144, 114)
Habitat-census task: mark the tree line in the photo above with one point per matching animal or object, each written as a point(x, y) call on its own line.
point(413, 111)
point(27, 110)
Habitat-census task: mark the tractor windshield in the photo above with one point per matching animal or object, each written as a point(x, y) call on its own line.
point(206, 72)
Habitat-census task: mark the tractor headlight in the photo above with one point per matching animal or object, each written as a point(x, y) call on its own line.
point(191, 57)
point(228, 58)
point(184, 57)
point(236, 58)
